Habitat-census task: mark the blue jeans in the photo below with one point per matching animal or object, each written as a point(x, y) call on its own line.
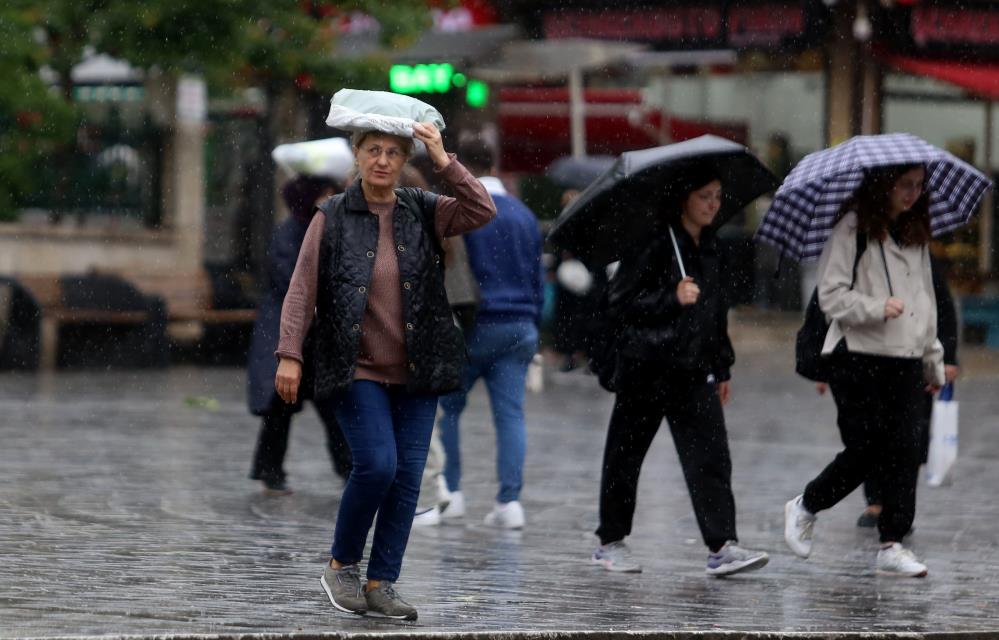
point(498, 353)
point(388, 430)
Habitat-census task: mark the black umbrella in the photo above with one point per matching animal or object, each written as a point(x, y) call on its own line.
point(578, 173)
point(624, 208)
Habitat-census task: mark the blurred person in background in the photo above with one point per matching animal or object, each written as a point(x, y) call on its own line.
point(505, 259)
point(301, 196)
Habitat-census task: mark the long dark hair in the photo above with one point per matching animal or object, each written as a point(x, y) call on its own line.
point(872, 204)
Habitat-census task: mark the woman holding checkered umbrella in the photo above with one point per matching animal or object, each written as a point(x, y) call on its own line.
point(867, 208)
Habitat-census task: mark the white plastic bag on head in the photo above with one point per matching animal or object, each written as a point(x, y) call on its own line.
point(943, 440)
point(327, 158)
point(357, 110)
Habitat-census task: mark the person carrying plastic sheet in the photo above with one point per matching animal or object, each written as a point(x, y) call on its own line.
point(370, 270)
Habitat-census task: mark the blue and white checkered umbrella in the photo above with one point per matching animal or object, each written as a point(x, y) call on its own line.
point(805, 207)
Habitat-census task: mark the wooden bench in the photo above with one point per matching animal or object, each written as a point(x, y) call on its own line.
point(48, 294)
point(983, 313)
point(188, 299)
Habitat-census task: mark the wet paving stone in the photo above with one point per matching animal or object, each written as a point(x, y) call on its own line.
point(125, 509)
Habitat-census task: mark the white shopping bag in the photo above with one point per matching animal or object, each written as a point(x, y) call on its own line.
point(943, 438)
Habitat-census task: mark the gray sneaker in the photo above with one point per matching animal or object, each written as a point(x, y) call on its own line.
point(343, 586)
point(385, 602)
point(732, 559)
point(615, 556)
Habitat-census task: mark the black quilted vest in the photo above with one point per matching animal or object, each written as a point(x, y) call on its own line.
point(435, 348)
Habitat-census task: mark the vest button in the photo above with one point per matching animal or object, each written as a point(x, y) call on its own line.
point(356, 327)
point(406, 285)
point(412, 367)
point(361, 289)
point(409, 326)
point(371, 254)
point(401, 248)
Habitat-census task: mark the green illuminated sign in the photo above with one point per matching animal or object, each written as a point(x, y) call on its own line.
point(437, 78)
point(477, 93)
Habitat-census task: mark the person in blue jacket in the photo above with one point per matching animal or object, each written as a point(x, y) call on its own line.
point(505, 257)
point(301, 196)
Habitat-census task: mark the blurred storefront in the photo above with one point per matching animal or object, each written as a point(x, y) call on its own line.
point(940, 66)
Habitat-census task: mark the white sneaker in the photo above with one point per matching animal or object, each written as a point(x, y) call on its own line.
point(732, 559)
point(896, 560)
point(443, 495)
point(455, 507)
point(427, 518)
point(616, 557)
point(798, 525)
point(506, 515)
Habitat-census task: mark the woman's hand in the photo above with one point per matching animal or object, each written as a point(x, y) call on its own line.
point(951, 371)
point(289, 375)
point(724, 392)
point(687, 291)
point(431, 137)
point(893, 308)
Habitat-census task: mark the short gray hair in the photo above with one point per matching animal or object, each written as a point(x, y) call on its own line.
point(357, 139)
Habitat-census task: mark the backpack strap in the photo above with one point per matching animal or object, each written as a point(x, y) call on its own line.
point(861, 248)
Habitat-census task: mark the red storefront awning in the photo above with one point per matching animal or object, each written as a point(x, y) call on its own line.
point(978, 78)
point(535, 131)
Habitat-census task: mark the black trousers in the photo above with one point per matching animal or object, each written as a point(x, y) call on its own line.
point(694, 413)
point(272, 442)
point(872, 488)
point(879, 404)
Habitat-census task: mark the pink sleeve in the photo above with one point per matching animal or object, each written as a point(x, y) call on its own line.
point(300, 302)
point(471, 207)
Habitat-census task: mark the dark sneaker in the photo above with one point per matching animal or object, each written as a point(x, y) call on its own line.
point(732, 559)
point(385, 602)
point(868, 520)
point(343, 586)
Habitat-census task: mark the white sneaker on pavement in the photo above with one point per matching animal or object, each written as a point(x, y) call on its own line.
point(896, 560)
point(506, 515)
point(455, 507)
point(616, 557)
point(798, 527)
point(732, 559)
point(443, 495)
point(428, 517)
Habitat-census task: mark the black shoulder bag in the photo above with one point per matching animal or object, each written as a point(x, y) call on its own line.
point(808, 359)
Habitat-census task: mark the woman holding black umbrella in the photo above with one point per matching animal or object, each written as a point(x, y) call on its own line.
point(885, 355)
point(673, 359)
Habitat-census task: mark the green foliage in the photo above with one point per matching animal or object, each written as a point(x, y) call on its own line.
point(236, 43)
point(33, 120)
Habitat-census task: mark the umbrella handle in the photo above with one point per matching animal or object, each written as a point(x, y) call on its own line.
point(676, 249)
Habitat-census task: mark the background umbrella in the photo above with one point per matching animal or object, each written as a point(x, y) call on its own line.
point(624, 207)
point(804, 210)
point(578, 173)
